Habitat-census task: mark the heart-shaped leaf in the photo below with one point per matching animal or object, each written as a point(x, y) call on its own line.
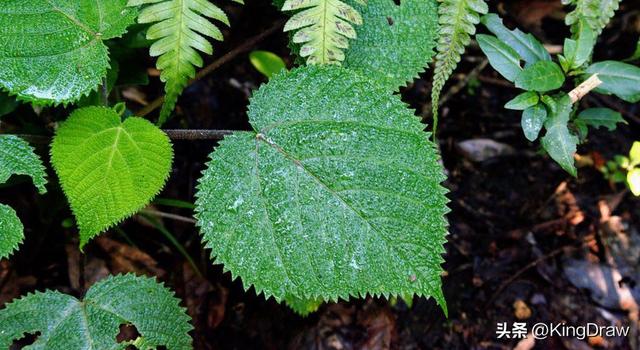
point(109, 169)
point(64, 322)
point(11, 231)
point(336, 193)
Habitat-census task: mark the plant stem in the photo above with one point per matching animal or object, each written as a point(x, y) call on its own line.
point(583, 89)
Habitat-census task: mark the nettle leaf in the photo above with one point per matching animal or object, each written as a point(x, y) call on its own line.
point(53, 51)
point(109, 169)
point(559, 142)
point(179, 31)
point(336, 193)
point(17, 157)
point(523, 101)
point(601, 117)
point(323, 27)
point(620, 79)
point(533, 119)
point(526, 45)
point(541, 76)
point(501, 56)
point(64, 322)
point(390, 34)
point(11, 231)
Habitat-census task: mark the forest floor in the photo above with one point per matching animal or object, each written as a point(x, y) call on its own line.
point(528, 243)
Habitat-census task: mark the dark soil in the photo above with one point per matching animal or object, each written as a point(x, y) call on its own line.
point(515, 219)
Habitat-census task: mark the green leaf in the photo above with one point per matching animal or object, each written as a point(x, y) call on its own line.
point(501, 56)
point(8, 104)
point(601, 117)
point(179, 31)
point(558, 141)
point(267, 63)
point(323, 27)
point(303, 307)
point(634, 154)
point(53, 50)
point(523, 101)
point(526, 45)
point(633, 180)
point(64, 322)
point(458, 20)
point(18, 158)
point(390, 34)
point(336, 193)
point(578, 52)
point(597, 13)
point(541, 76)
point(620, 79)
point(11, 232)
point(109, 169)
point(533, 119)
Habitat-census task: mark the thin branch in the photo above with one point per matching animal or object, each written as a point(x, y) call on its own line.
point(583, 89)
point(174, 134)
point(162, 214)
point(246, 46)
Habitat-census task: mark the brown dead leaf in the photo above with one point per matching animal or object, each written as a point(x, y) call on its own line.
point(380, 325)
point(125, 258)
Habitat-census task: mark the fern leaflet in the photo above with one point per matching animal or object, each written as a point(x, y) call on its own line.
point(323, 27)
point(180, 29)
point(458, 19)
point(597, 13)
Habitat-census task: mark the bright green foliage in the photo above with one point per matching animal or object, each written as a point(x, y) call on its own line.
point(597, 13)
point(11, 231)
point(526, 45)
point(52, 51)
point(620, 79)
point(601, 117)
point(109, 169)
point(267, 63)
point(523, 101)
point(336, 193)
point(65, 322)
point(541, 76)
point(179, 31)
point(323, 27)
point(18, 158)
point(533, 119)
point(633, 176)
point(303, 307)
point(559, 142)
point(578, 52)
point(501, 56)
point(395, 42)
point(458, 20)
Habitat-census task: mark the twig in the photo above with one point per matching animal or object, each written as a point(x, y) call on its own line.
point(583, 89)
point(197, 134)
point(168, 216)
point(246, 46)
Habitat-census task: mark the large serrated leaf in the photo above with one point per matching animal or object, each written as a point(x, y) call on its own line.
point(395, 42)
point(64, 322)
point(336, 193)
point(18, 158)
point(52, 50)
point(109, 169)
point(11, 231)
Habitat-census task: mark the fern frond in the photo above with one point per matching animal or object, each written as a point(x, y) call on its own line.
point(179, 32)
point(323, 27)
point(458, 20)
point(597, 13)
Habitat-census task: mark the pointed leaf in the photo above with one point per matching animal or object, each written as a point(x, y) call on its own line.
point(388, 35)
point(502, 58)
point(64, 322)
point(336, 193)
point(541, 76)
point(523, 101)
point(578, 52)
point(558, 141)
point(109, 169)
point(528, 47)
point(620, 79)
point(11, 231)
point(18, 158)
point(601, 117)
point(52, 50)
point(533, 119)
point(267, 63)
